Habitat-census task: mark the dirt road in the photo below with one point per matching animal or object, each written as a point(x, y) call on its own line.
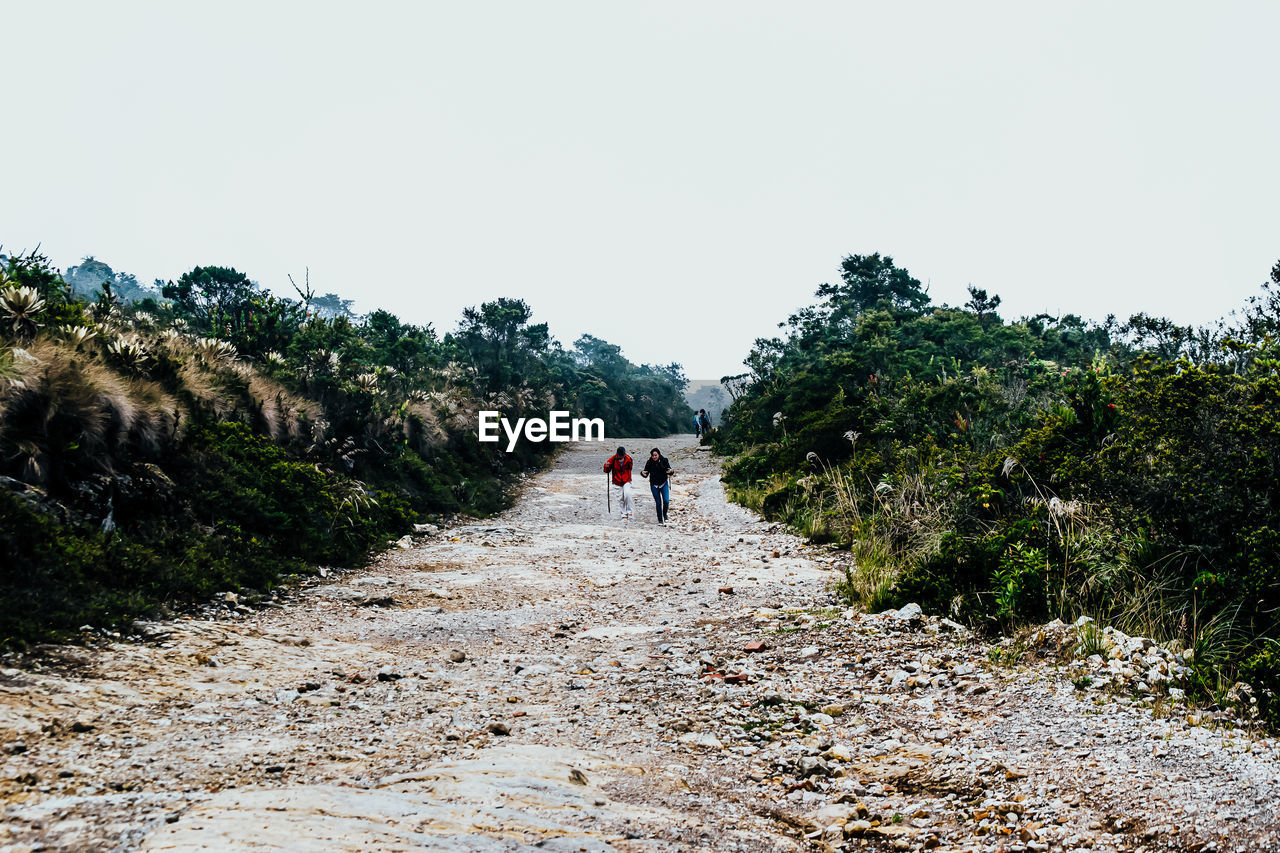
point(558, 679)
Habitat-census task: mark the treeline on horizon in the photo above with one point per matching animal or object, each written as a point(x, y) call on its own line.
point(161, 444)
point(1009, 472)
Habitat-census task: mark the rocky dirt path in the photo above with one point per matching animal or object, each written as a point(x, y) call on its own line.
point(559, 680)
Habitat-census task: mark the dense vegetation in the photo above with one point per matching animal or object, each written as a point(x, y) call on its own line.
point(1009, 472)
point(204, 435)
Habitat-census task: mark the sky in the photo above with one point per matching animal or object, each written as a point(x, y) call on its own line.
point(673, 177)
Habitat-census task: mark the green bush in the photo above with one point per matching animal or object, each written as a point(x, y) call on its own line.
point(246, 516)
point(1262, 672)
point(1018, 584)
point(1135, 480)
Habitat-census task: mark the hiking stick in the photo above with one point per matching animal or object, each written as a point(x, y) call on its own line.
point(608, 493)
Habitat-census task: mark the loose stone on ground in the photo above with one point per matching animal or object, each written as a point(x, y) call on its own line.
point(557, 679)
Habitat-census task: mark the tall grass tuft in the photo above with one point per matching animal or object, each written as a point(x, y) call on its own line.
point(887, 527)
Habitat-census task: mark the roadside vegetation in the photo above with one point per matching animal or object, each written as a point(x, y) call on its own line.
point(1009, 472)
point(158, 444)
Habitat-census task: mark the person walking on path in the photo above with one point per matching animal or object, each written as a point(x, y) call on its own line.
point(619, 465)
point(697, 424)
point(657, 470)
point(704, 421)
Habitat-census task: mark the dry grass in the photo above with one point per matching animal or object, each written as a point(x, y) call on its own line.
point(889, 527)
point(70, 396)
point(58, 404)
point(285, 415)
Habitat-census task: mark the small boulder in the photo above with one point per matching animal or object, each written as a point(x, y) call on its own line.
point(839, 752)
point(703, 739)
point(908, 613)
point(857, 827)
point(811, 765)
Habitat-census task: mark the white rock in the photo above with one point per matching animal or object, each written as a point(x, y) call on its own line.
point(705, 739)
point(536, 669)
point(836, 813)
point(908, 612)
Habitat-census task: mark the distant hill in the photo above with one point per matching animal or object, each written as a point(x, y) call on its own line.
point(86, 280)
point(708, 394)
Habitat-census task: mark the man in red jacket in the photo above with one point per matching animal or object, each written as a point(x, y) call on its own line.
point(619, 465)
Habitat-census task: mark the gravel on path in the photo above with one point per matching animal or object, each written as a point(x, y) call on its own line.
point(560, 679)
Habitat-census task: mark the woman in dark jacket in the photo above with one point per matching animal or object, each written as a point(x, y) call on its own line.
point(656, 470)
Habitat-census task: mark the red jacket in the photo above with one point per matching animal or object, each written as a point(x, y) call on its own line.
point(621, 469)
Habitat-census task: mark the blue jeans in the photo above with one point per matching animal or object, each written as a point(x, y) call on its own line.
point(661, 499)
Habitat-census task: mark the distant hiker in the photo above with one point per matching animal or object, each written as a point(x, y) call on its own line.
point(619, 465)
point(704, 420)
point(697, 424)
point(657, 470)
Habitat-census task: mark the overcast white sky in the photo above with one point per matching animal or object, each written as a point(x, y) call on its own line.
point(673, 177)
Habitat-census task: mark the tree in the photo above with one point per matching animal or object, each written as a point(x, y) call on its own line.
point(331, 305)
point(604, 357)
point(983, 306)
point(501, 344)
point(213, 297)
point(868, 280)
point(1159, 335)
point(405, 347)
point(1260, 320)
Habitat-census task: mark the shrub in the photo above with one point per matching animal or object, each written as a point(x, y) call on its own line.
point(1018, 584)
point(1262, 672)
point(243, 485)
